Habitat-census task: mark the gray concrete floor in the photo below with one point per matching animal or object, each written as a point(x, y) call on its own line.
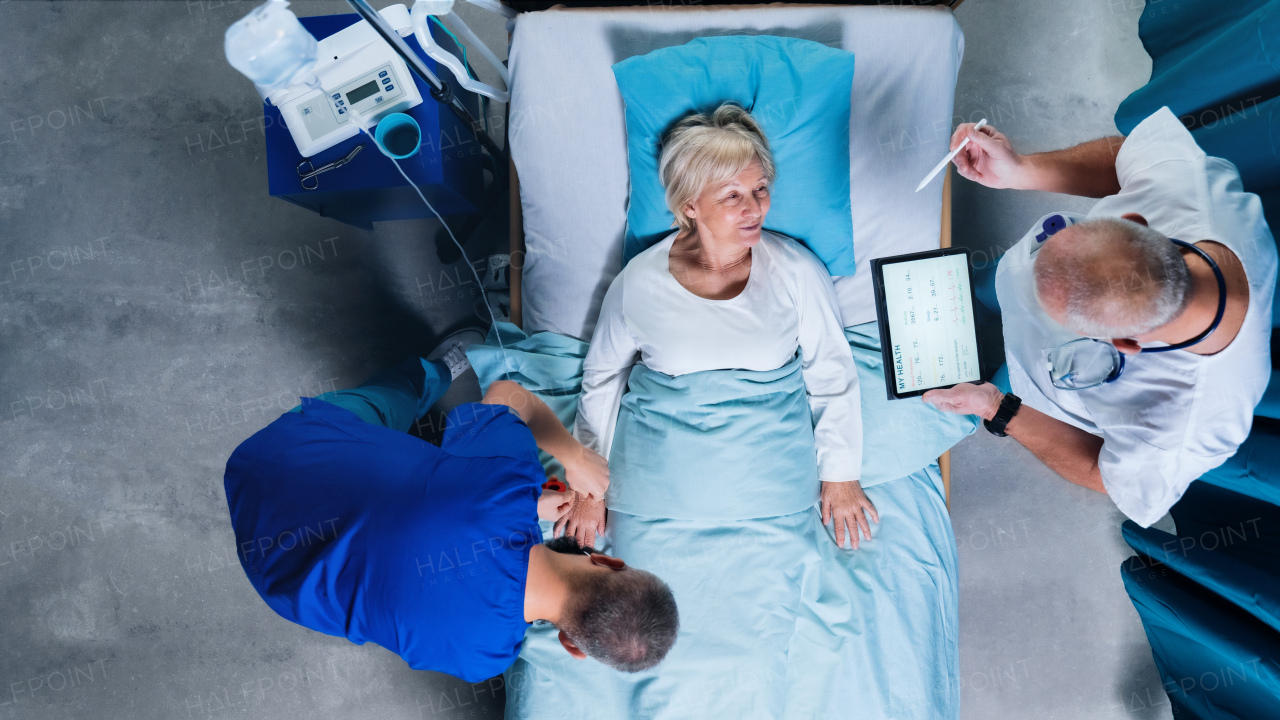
point(143, 336)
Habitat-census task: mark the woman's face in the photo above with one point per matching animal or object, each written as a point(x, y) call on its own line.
point(733, 212)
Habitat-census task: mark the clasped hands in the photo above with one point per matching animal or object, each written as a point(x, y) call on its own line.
point(579, 512)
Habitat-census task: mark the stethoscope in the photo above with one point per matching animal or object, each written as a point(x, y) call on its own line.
point(1068, 372)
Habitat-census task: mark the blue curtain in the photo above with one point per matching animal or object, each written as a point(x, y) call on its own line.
point(1209, 597)
point(1216, 64)
point(1209, 59)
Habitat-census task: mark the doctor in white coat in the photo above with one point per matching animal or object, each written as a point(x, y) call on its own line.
point(1172, 273)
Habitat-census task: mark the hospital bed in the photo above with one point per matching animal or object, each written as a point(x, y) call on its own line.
point(569, 182)
point(567, 140)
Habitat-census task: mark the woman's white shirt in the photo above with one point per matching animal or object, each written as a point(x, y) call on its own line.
point(788, 304)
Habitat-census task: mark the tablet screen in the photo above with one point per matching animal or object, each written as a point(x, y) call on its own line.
point(929, 316)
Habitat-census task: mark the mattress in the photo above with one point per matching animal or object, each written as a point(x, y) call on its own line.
point(567, 136)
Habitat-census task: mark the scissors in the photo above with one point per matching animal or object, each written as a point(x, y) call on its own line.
point(307, 171)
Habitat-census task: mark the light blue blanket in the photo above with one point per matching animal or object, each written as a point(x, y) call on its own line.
point(676, 435)
point(899, 436)
point(776, 621)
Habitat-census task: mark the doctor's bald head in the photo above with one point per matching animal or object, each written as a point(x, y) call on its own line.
point(1111, 278)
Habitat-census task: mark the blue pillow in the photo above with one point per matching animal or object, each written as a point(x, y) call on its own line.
point(798, 90)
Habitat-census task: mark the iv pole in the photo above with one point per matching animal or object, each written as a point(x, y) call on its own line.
point(440, 90)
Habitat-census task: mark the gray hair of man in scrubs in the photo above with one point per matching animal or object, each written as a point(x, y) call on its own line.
point(1112, 278)
point(622, 616)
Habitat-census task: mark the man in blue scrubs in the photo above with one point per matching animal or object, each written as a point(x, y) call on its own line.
point(348, 525)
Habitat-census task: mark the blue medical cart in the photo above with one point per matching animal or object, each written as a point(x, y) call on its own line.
point(448, 168)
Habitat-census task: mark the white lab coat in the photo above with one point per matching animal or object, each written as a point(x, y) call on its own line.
point(1171, 416)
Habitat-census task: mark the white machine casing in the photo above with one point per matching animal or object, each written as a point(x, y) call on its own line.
point(359, 73)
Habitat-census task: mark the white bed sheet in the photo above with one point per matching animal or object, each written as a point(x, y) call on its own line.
point(567, 136)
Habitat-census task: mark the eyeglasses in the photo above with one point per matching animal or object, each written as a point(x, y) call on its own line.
point(1084, 363)
point(1087, 362)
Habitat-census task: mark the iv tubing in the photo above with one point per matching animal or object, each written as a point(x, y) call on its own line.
point(493, 320)
point(440, 90)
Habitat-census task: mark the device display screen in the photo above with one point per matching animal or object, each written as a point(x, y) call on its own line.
point(362, 92)
point(929, 316)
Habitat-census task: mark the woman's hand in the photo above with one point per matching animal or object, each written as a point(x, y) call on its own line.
point(586, 472)
point(553, 505)
point(584, 520)
point(848, 505)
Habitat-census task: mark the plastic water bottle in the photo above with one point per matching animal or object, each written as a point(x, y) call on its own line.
point(271, 47)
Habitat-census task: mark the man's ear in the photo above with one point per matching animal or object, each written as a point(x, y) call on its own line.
point(606, 561)
point(1127, 345)
point(1135, 217)
point(573, 649)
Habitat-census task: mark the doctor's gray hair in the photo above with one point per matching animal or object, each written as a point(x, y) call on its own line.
point(708, 149)
point(1112, 278)
point(626, 619)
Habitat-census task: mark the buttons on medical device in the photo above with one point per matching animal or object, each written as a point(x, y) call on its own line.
point(337, 96)
point(382, 74)
point(390, 87)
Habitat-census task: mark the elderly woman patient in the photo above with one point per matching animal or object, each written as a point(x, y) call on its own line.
point(721, 293)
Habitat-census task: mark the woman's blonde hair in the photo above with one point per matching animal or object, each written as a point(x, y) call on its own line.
point(706, 149)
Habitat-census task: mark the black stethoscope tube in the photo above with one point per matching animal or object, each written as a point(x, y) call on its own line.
point(1222, 301)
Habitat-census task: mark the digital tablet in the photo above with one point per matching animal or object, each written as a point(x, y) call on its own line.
point(924, 306)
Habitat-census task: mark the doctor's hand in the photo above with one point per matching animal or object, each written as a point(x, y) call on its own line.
point(585, 520)
point(967, 399)
point(989, 158)
point(586, 472)
point(552, 504)
point(849, 506)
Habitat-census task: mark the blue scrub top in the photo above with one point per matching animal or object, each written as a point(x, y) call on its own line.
point(371, 534)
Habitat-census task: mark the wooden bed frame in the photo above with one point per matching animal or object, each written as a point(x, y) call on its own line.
point(517, 250)
point(944, 241)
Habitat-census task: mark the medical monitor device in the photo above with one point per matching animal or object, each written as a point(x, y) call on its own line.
point(924, 307)
point(358, 72)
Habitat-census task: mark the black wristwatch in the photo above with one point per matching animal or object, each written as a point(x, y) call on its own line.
point(1008, 408)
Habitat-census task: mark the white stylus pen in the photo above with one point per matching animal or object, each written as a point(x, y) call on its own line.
point(934, 173)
